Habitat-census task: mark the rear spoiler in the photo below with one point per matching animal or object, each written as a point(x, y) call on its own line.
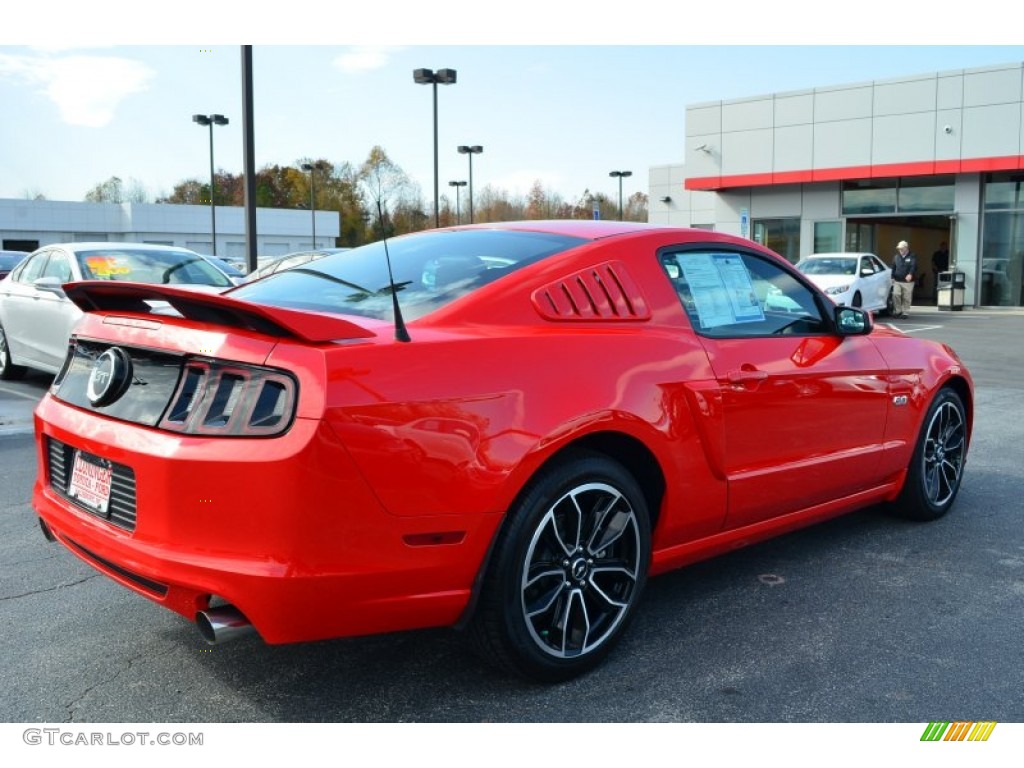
point(213, 308)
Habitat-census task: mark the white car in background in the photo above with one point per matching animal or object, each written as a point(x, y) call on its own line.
point(850, 279)
point(36, 317)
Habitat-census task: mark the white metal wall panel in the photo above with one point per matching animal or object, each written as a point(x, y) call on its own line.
point(704, 119)
point(849, 103)
point(704, 155)
point(794, 109)
point(843, 143)
point(794, 148)
point(780, 201)
point(903, 138)
point(996, 86)
point(948, 134)
point(821, 201)
point(748, 114)
point(950, 91)
point(992, 131)
point(746, 152)
point(905, 96)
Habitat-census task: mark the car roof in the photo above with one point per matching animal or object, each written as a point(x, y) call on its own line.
point(588, 229)
point(850, 254)
point(90, 245)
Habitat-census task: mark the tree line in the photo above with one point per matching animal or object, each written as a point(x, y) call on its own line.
point(372, 199)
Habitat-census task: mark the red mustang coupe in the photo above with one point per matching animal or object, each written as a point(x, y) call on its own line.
point(501, 427)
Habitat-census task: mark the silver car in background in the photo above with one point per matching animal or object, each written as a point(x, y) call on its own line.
point(36, 317)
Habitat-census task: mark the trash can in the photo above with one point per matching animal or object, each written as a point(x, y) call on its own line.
point(951, 290)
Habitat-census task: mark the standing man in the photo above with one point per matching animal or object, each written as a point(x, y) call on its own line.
point(904, 267)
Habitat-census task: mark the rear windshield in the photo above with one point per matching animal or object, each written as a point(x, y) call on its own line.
point(144, 265)
point(431, 269)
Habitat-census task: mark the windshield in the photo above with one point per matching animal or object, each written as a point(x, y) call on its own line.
point(830, 266)
point(431, 269)
point(144, 265)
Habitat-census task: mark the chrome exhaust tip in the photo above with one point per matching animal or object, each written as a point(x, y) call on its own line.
point(223, 623)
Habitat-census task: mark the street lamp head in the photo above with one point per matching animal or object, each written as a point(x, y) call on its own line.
point(219, 119)
point(446, 76)
point(307, 167)
point(456, 183)
point(201, 119)
point(425, 76)
point(620, 174)
point(476, 149)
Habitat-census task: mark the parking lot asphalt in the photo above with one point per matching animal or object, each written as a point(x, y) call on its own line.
point(860, 619)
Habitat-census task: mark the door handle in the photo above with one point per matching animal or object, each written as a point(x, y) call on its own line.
point(744, 376)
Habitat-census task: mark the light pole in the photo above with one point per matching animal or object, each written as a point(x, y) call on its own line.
point(458, 210)
point(621, 175)
point(476, 149)
point(311, 167)
point(211, 120)
point(430, 77)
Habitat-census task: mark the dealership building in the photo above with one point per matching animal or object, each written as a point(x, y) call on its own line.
point(932, 158)
point(29, 224)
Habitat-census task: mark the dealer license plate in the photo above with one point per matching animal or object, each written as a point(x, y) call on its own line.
point(90, 482)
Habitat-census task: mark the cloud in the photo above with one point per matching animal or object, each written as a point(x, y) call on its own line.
point(365, 58)
point(86, 89)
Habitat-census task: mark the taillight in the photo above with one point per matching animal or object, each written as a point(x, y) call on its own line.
point(230, 399)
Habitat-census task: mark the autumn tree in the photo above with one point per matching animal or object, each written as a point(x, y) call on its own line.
point(636, 207)
point(383, 180)
point(113, 190)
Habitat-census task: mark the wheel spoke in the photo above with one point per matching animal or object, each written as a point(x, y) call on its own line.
point(544, 599)
point(575, 631)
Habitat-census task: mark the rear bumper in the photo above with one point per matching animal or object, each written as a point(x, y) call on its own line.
point(283, 528)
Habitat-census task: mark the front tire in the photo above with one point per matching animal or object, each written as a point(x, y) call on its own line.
point(937, 466)
point(568, 570)
point(8, 370)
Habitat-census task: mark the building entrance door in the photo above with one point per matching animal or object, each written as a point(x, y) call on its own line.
point(925, 235)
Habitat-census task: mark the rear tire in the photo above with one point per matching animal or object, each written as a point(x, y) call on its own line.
point(937, 466)
point(8, 370)
point(569, 566)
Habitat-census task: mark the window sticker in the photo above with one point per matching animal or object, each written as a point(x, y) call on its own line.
point(106, 267)
point(722, 291)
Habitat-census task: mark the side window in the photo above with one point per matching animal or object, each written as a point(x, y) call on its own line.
point(32, 269)
point(59, 267)
point(736, 295)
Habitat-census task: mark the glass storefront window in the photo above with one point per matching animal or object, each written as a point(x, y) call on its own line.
point(780, 235)
point(1002, 249)
point(925, 193)
point(869, 196)
point(1002, 260)
point(828, 236)
point(1003, 191)
point(913, 194)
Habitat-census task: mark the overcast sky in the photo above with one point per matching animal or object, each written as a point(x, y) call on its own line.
point(562, 105)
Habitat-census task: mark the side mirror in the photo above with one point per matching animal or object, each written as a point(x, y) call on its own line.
point(851, 321)
point(867, 272)
point(49, 284)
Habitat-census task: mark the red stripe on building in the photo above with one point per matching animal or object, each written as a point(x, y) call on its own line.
point(849, 173)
